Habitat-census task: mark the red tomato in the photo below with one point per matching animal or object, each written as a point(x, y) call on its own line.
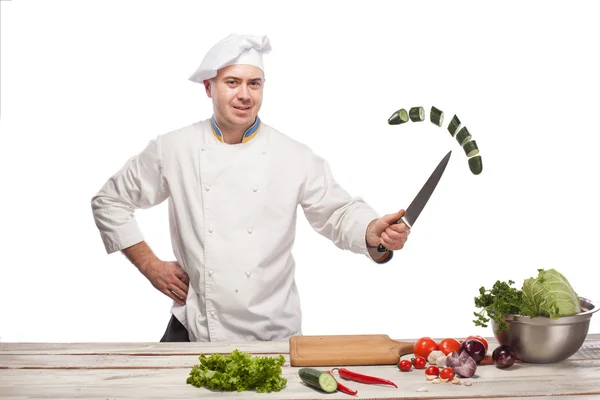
point(447, 374)
point(482, 340)
point(404, 365)
point(449, 345)
point(432, 372)
point(419, 362)
point(424, 346)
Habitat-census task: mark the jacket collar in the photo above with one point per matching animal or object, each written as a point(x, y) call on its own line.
point(248, 135)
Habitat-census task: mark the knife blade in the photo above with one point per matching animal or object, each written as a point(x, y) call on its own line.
point(416, 206)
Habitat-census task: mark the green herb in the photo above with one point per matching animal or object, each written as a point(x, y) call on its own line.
point(238, 371)
point(501, 299)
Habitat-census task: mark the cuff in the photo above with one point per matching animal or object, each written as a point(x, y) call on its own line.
point(122, 237)
point(380, 257)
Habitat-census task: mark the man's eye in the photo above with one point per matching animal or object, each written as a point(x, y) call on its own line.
point(231, 82)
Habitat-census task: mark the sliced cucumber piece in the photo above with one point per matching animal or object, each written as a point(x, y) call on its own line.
point(318, 379)
point(476, 164)
point(463, 136)
point(436, 116)
point(417, 114)
point(471, 148)
point(399, 117)
point(453, 125)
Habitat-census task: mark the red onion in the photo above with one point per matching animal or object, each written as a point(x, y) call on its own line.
point(463, 364)
point(504, 356)
point(475, 349)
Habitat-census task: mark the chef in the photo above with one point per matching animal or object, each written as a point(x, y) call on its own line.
point(233, 185)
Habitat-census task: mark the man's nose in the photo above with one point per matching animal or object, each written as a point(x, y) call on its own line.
point(243, 92)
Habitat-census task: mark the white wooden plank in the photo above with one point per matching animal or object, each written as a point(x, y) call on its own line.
point(567, 378)
point(277, 347)
point(67, 361)
point(589, 350)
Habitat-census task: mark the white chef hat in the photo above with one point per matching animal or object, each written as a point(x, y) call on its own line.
point(234, 49)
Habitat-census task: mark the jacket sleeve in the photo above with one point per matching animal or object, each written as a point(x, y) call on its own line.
point(336, 215)
point(138, 184)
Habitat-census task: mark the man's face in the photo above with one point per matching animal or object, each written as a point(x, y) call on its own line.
point(236, 93)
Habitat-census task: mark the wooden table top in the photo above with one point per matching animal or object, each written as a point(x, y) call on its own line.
point(159, 371)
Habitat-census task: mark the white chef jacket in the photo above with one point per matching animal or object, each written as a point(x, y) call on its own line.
point(232, 214)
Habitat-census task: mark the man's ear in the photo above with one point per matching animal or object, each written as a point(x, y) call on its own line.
point(207, 87)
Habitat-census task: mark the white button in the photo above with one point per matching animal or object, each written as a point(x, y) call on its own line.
point(248, 274)
point(255, 188)
point(202, 148)
point(200, 319)
point(250, 230)
point(212, 313)
point(210, 273)
point(210, 230)
point(207, 188)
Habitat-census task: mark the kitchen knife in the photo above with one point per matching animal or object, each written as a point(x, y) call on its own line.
point(419, 202)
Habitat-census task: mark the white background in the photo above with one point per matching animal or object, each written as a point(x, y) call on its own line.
point(86, 85)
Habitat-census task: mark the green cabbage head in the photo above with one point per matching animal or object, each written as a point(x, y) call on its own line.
point(549, 295)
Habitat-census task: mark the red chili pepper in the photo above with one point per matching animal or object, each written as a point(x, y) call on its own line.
point(355, 376)
point(345, 389)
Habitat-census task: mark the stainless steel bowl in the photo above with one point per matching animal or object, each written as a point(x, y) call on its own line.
point(543, 340)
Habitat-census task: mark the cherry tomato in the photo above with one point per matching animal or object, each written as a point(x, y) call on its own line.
point(449, 345)
point(447, 374)
point(424, 346)
point(419, 362)
point(404, 365)
point(432, 372)
point(482, 340)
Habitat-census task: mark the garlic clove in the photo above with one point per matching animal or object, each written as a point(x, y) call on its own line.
point(441, 361)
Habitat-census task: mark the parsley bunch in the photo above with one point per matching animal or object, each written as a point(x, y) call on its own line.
point(238, 371)
point(501, 299)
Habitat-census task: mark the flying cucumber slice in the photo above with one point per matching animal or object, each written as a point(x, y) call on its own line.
point(476, 164)
point(471, 148)
point(417, 114)
point(399, 117)
point(463, 136)
point(436, 116)
point(453, 125)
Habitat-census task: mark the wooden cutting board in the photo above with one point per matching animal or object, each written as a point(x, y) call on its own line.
point(337, 350)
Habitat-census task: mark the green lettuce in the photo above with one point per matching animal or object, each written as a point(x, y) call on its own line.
point(238, 371)
point(550, 295)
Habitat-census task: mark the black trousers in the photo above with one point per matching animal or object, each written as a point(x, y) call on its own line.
point(175, 332)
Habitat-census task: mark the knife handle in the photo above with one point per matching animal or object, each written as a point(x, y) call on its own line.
point(381, 248)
